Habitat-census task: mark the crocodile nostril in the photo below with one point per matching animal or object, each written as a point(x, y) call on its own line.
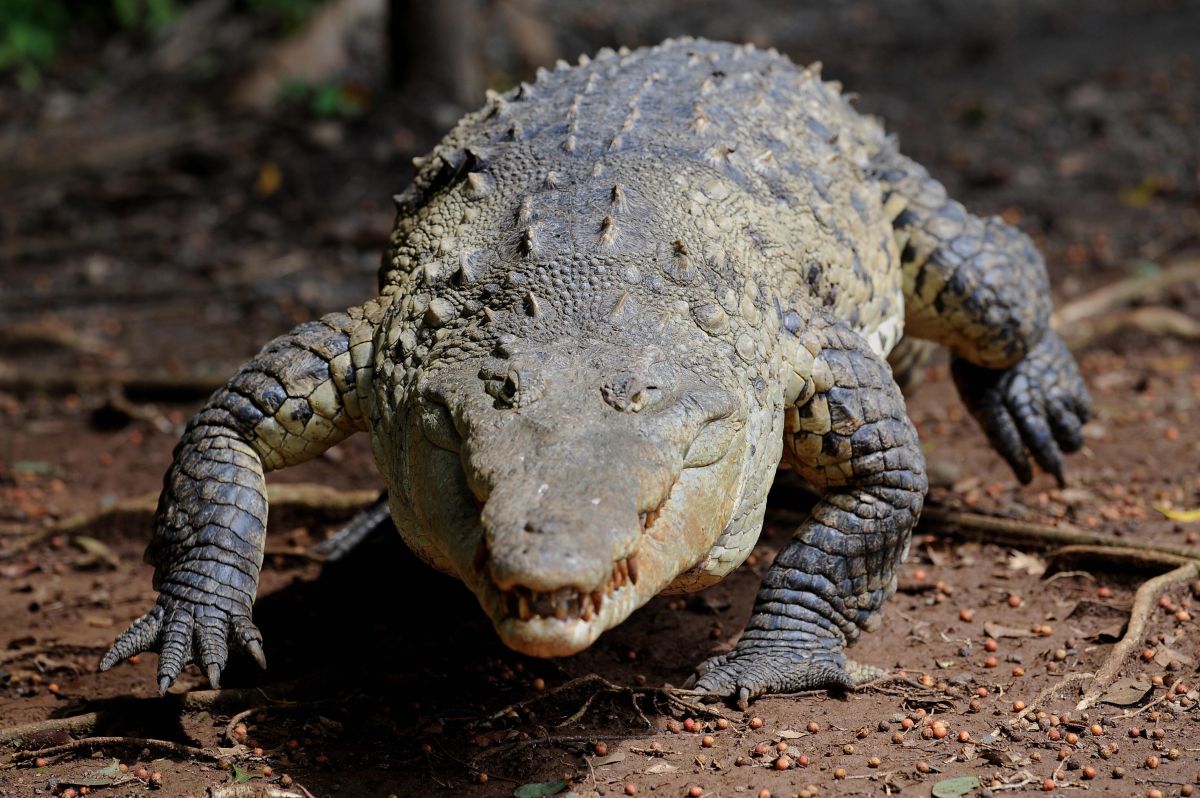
point(629, 394)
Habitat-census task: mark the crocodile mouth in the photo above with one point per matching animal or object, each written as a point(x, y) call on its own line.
point(568, 619)
point(522, 603)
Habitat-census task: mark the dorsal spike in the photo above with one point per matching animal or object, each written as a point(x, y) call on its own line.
point(608, 231)
point(619, 306)
point(478, 186)
point(524, 213)
point(618, 199)
point(528, 241)
point(532, 306)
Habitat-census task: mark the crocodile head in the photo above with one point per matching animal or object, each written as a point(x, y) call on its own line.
point(568, 482)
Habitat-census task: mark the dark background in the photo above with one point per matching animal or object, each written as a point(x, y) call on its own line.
point(169, 202)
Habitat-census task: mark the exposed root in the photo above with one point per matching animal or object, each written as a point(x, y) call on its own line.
point(1153, 320)
point(1127, 556)
point(1076, 543)
point(1123, 292)
point(15, 736)
point(165, 746)
point(1144, 602)
point(1016, 532)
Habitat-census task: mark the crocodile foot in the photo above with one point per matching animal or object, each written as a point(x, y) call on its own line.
point(180, 631)
point(747, 673)
point(1040, 404)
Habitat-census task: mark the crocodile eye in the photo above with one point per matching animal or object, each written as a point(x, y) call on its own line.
point(438, 426)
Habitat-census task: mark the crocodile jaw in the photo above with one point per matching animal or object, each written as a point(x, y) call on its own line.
point(674, 540)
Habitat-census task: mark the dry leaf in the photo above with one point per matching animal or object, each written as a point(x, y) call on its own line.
point(1167, 655)
point(616, 756)
point(1029, 563)
point(1126, 693)
point(660, 767)
point(1179, 515)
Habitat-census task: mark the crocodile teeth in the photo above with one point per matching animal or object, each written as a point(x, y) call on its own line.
point(569, 602)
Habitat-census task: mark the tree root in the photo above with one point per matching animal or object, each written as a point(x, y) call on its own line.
point(15, 736)
point(1123, 292)
point(1076, 543)
point(1144, 602)
point(166, 746)
point(994, 529)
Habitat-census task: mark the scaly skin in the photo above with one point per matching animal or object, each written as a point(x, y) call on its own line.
point(614, 302)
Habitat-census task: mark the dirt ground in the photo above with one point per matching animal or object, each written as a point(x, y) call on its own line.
point(152, 236)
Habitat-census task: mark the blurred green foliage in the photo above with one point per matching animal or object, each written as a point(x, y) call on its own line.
point(325, 100)
point(32, 31)
point(290, 13)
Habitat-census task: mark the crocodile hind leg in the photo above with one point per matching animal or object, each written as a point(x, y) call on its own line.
point(979, 287)
point(848, 434)
point(297, 397)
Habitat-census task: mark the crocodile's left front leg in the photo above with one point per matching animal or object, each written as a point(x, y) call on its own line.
point(297, 397)
point(849, 435)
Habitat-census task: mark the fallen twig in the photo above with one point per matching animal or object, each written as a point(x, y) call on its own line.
point(1143, 605)
point(1154, 320)
point(167, 746)
point(1129, 556)
point(14, 736)
point(1109, 297)
point(1013, 531)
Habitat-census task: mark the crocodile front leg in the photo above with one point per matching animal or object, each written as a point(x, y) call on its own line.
point(849, 436)
point(297, 397)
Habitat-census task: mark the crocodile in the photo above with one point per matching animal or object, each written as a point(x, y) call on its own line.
point(615, 301)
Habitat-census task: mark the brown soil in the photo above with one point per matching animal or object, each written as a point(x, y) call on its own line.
point(131, 287)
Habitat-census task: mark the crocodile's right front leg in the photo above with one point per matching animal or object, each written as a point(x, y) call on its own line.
point(848, 434)
point(297, 397)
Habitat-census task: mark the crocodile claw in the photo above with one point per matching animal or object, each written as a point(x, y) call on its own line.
point(182, 632)
point(1039, 405)
point(747, 673)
